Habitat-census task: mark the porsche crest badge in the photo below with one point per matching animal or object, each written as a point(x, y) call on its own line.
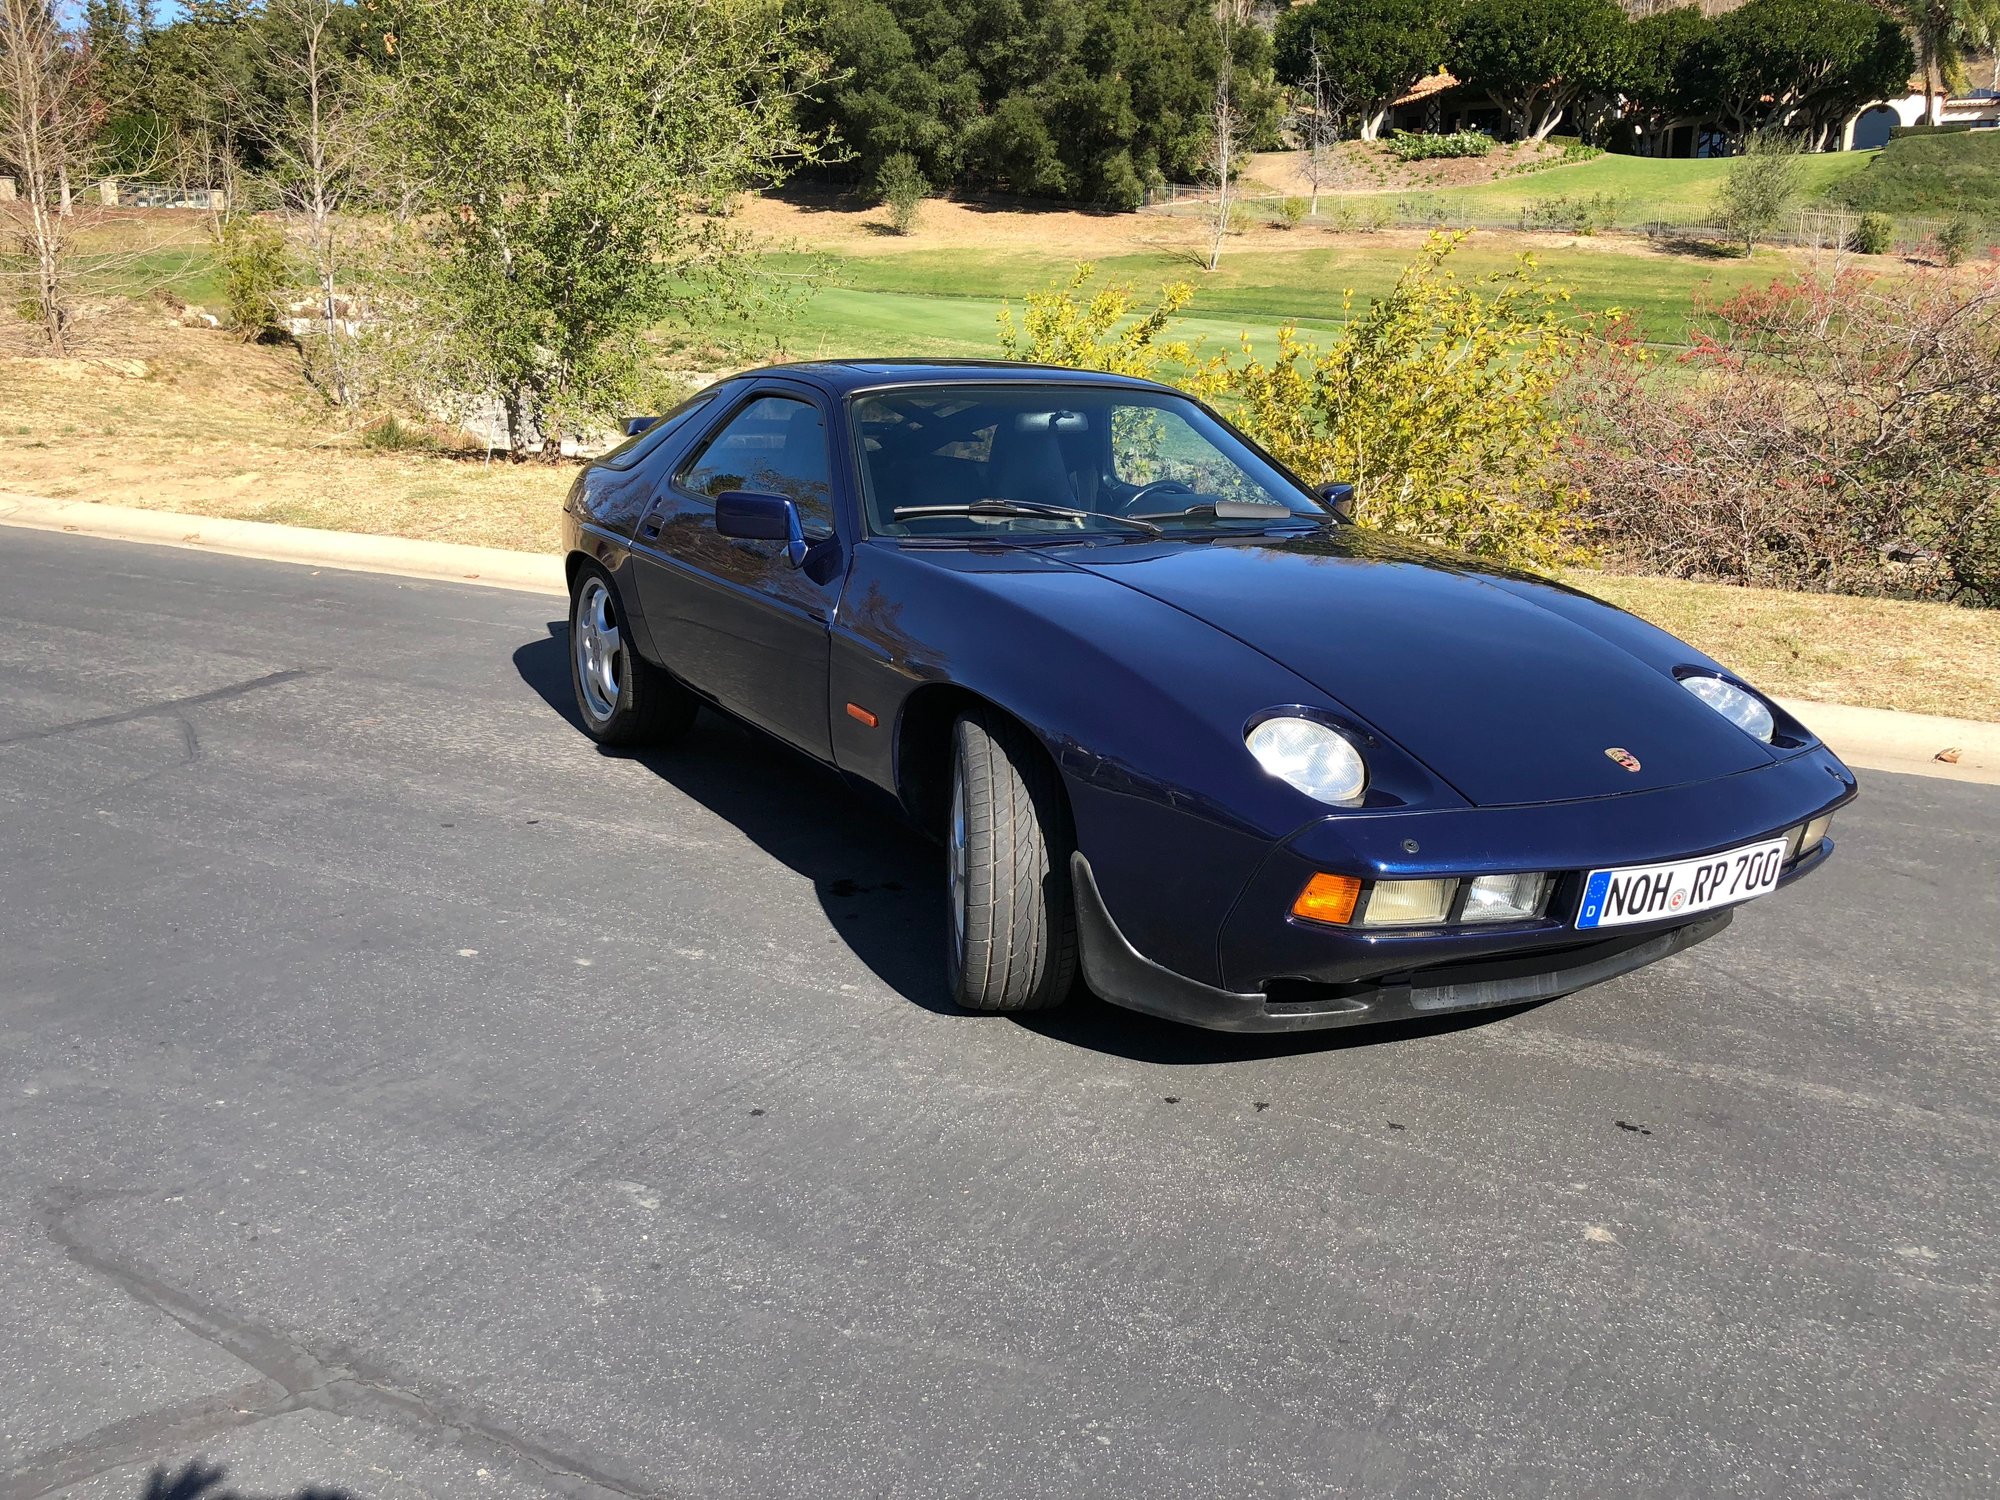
point(1624, 758)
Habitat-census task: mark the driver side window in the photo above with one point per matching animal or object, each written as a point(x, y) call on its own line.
point(774, 446)
point(1149, 445)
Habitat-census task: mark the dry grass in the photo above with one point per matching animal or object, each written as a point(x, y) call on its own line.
point(194, 421)
point(1875, 653)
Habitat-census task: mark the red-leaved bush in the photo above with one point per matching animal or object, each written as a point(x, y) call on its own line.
point(1836, 430)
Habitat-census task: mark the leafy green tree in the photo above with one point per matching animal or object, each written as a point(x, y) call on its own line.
point(1084, 99)
point(1805, 66)
point(1537, 59)
point(1660, 79)
point(114, 35)
point(573, 161)
point(1372, 51)
point(1762, 187)
point(902, 186)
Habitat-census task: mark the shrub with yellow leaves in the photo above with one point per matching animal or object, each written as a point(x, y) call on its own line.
point(1440, 402)
point(1082, 327)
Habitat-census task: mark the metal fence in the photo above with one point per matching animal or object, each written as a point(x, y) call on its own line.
point(115, 192)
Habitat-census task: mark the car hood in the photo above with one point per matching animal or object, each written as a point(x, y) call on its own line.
point(1510, 688)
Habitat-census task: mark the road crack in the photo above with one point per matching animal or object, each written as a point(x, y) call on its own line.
point(164, 706)
point(292, 1378)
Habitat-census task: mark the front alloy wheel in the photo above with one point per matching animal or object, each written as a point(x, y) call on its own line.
point(622, 698)
point(599, 646)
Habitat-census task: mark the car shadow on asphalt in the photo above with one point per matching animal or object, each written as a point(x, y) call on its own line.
point(879, 882)
point(196, 1480)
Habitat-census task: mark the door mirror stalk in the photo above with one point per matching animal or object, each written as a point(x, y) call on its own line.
point(1339, 498)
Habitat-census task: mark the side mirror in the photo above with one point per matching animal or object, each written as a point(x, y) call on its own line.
point(1339, 499)
point(636, 425)
point(762, 518)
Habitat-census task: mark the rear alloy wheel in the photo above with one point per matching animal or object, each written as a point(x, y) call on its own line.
point(1012, 938)
point(623, 698)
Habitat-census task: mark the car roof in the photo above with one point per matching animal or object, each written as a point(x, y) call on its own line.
point(840, 377)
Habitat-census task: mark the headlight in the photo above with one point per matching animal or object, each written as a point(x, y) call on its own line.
point(1505, 898)
point(1317, 760)
point(1745, 710)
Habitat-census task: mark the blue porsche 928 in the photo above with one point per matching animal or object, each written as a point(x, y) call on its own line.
point(1176, 721)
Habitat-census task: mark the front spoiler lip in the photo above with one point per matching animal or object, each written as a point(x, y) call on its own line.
point(1121, 974)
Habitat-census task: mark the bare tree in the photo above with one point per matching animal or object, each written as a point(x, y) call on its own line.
point(1315, 122)
point(1225, 124)
point(48, 136)
point(316, 130)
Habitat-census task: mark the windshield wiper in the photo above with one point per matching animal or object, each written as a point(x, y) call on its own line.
point(1021, 508)
point(1223, 510)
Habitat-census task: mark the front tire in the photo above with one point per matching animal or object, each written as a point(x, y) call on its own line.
point(1012, 936)
point(623, 699)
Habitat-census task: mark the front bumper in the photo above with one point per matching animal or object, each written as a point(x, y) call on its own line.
point(1118, 972)
point(1275, 972)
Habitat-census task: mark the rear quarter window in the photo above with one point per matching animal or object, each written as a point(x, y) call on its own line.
point(635, 449)
point(616, 490)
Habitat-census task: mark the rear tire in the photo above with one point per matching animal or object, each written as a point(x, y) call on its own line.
point(623, 699)
point(1011, 942)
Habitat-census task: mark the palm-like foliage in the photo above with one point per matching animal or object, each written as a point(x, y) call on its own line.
point(1942, 31)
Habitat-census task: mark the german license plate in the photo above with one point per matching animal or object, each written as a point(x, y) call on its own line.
point(1648, 893)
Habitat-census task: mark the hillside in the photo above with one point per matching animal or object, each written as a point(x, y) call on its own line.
point(1932, 173)
point(1496, 188)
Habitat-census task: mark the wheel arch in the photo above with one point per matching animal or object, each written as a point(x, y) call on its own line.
point(923, 747)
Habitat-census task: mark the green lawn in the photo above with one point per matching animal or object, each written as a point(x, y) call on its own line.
point(1672, 190)
point(1932, 175)
point(945, 302)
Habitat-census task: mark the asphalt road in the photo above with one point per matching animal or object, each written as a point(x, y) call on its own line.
point(399, 1095)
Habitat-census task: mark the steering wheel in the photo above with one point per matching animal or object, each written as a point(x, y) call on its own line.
point(1158, 486)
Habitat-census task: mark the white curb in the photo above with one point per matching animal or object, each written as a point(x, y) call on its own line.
point(1880, 739)
point(495, 567)
point(1871, 738)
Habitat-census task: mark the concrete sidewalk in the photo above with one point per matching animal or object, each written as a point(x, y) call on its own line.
point(495, 567)
point(1872, 738)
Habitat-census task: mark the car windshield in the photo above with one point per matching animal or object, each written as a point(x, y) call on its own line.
point(1042, 460)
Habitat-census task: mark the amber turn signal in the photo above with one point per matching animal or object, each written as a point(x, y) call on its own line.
point(1328, 898)
point(856, 711)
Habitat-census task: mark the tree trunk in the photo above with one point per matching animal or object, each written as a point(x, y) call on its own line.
point(1371, 124)
point(1221, 201)
point(49, 281)
point(510, 403)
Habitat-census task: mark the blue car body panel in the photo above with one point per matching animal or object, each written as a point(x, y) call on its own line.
point(1485, 699)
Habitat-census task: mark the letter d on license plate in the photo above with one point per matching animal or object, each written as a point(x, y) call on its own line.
point(1652, 893)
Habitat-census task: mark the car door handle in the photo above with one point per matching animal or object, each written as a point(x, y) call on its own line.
point(650, 527)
